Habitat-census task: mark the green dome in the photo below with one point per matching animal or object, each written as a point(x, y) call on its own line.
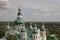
point(7, 28)
point(23, 30)
point(17, 33)
point(19, 21)
point(42, 28)
point(35, 30)
point(30, 28)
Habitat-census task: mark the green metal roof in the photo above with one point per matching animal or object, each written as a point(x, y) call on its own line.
point(17, 33)
point(7, 28)
point(23, 30)
point(35, 30)
point(42, 28)
point(19, 21)
point(30, 28)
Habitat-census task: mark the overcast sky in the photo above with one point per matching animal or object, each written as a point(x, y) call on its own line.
point(32, 10)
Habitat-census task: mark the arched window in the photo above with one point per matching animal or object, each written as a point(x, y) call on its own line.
point(36, 36)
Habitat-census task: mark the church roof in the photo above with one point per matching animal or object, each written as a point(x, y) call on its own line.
point(19, 11)
point(35, 30)
point(30, 27)
point(23, 30)
point(42, 27)
point(19, 21)
point(17, 32)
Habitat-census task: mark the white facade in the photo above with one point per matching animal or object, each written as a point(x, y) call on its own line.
point(43, 35)
point(35, 36)
point(21, 31)
point(23, 35)
point(6, 33)
point(39, 34)
point(18, 28)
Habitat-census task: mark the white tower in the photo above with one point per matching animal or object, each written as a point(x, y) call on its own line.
point(43, 32)
point(23, 34)
point(19, 22)
point(7, 30)
point(39, 34)
point(30, 27)
point(35, 35)
point(30, 30)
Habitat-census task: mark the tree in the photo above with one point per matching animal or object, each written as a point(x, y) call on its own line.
point(12, 37)
point(2, 32)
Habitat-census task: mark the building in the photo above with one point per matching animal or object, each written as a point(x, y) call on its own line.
point(32, 33)
point(23, 33)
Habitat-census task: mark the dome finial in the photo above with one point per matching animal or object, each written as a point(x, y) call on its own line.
point(35, 25)
point(43, 23)
point(19, 5)
point(19, 10)
point(8, 23)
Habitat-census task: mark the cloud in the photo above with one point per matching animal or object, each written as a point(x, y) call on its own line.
point(46, 12)
point(1, 13)
point(35, 14)
point(4, 4)
point(43, 9)
point(34, 10)
point(35, 5)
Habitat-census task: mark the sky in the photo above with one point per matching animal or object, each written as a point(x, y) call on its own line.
point(32, 10)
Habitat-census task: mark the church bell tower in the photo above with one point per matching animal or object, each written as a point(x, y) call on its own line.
point(19, 22)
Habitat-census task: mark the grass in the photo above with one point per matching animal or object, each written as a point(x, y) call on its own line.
point(52, 38)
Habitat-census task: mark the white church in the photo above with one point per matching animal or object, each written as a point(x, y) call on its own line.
point(23, 33)
point(32, 33)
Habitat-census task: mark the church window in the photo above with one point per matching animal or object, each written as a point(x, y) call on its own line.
point(36, 36)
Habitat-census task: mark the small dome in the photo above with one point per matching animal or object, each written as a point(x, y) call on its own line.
point(7, 28)
point(19, 21)
point(42, 28)
point(23, 30)
point(35, 30)
point(17, 33)
point(30, 28)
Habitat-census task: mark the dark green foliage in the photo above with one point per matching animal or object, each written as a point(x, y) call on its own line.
point(2, 32)
point(53, 27)
point(12, 37)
